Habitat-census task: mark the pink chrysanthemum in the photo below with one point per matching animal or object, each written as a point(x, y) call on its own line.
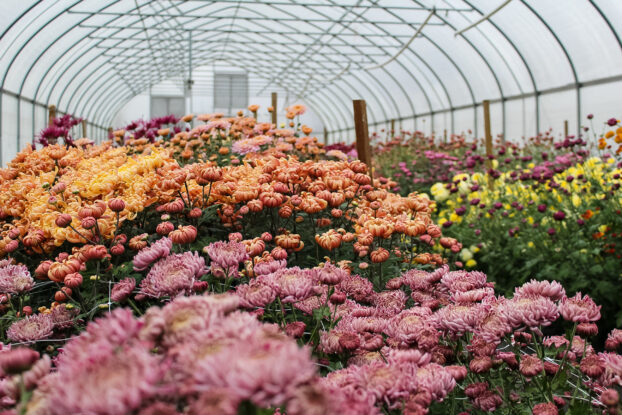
point(173, 275)
point(227, 254)
point(406, 326)
point(255, 294)
point(107, 380)
point(259, 370)
point(463, 280)
point(459, 319)
point(357, 287)
point(550, 289)
point(15, 279)
point(63, 317)
point(530, 311)
point(472, 296)
point(436, 380)
point(293, 284)
point(122, 290)
point(185, 316)
point(613, 369)
point(31, 328)
point(493, 327)
point(150, 254)
point(268, 267)
point(579, 309)
point(389, 303)
point(331, 275)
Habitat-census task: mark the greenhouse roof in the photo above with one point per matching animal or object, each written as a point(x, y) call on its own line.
point(405, 57)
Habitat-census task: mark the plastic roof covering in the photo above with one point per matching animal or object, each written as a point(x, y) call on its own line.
point(90, 57)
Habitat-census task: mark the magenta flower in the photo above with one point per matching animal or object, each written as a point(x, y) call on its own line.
point(150, 254)
point(173, 275)
point(292, 284)
point(579, 309)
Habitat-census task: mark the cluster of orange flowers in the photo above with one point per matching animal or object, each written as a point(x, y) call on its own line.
point(39, 186)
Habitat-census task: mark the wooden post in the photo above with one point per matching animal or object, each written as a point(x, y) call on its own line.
point(51, 114)
point(392, 128)
point(565, 129)
point(274, 109)
point(362, 134)
point(445, 136)
point(83, 128)
point(325, 136)
point(486, 105)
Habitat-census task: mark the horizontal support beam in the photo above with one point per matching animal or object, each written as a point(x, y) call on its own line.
point(40, 104)
point(568, 87)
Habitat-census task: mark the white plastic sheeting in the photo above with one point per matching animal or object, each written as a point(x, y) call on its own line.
point(539, 61)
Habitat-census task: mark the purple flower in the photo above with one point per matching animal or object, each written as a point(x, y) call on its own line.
point(590, 116)
point(460, 210)
point(550, 231)
point(498, 205)
point(612, 121)
point(559, 215)
point(541, 208)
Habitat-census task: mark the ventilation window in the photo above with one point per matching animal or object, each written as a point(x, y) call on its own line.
point(162, 106)
point(230, 92)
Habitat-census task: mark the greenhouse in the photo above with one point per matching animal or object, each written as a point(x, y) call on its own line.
point(288, 207)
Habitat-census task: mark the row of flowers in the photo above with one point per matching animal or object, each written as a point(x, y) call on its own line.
point(266, 279)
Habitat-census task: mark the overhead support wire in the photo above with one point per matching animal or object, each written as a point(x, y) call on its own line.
point(484, 18)
point(406, 45)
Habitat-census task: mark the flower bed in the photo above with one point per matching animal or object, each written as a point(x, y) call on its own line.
point(138, 280)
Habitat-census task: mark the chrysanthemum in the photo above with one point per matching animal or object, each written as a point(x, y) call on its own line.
point(31, 328)
point(472, 296)
point(15, 279)
point(530, 311)
point(185, 316)
point(257, 370)
point(436, 380)
point(255, 294)
point(64, 317)
point(173, 275)
point(227, 254)
point(107, 380)
point(550, 289)
point(122, 289)
point(268, 267)
point(389, 303)
point(613, 369)
point(293, 284)
point(579, 309)
point(331, 275)
point(463, 280)
point(150, 254)
point(357, 287)
point(459, 319)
